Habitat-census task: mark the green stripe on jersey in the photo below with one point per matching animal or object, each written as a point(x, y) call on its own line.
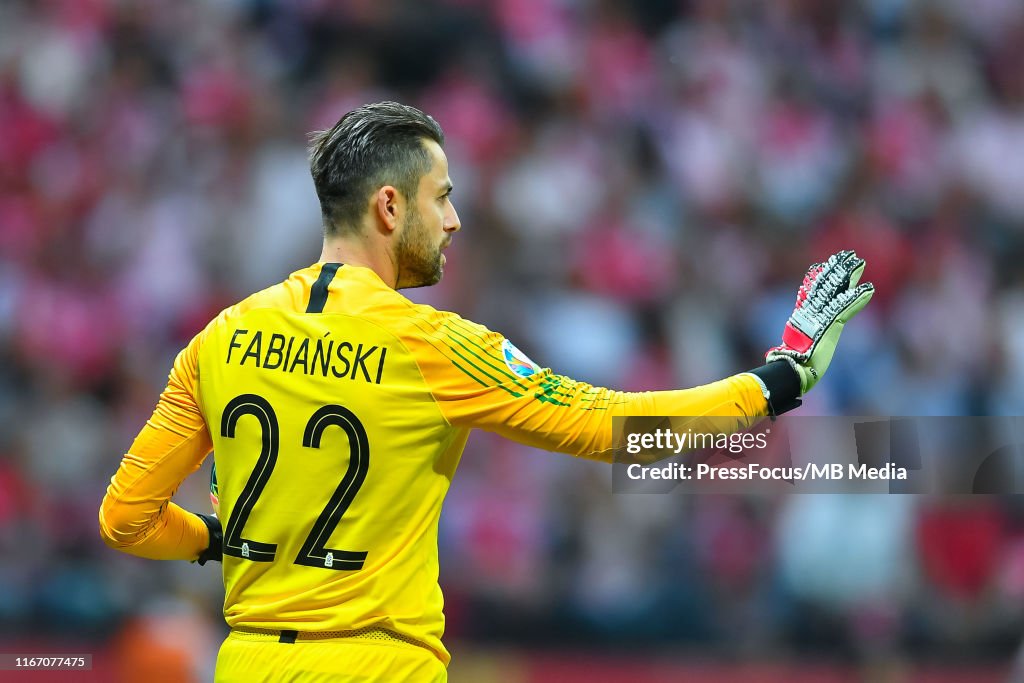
point(487, 359)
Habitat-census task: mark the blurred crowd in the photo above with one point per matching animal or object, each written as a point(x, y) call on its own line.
point(641, 186)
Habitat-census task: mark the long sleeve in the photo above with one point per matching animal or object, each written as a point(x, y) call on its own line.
point(136, 515)
point(480, 380)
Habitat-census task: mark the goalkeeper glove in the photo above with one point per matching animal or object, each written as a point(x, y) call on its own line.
point(827, 299)
point(215, 550)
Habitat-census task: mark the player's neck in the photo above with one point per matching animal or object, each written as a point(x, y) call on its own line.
point(360, 254)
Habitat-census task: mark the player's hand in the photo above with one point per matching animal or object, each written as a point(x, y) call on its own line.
point(215, 550)
point(827, 299)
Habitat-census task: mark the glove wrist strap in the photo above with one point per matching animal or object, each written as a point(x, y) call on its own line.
point(215, 550)
point(780, 384)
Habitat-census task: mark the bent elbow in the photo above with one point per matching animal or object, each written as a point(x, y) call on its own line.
point(107, 531)
point(117, 529)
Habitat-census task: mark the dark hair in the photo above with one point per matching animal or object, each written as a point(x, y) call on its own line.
point(374, 145)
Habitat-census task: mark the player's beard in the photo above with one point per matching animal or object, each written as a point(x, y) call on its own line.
point(418, 257)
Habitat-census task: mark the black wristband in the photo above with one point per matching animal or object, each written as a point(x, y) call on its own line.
point(783, 384)
point(215, 550)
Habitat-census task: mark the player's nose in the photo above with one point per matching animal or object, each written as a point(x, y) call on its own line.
point(451, 219)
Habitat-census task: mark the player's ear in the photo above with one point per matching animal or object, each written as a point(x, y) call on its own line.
point(388, 207)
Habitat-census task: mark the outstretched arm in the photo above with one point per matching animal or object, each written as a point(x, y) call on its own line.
point(480, 380)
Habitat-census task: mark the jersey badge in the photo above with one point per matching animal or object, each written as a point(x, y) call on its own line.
point(517, 361)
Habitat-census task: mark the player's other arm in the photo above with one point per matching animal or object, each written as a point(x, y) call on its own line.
point(136, 515)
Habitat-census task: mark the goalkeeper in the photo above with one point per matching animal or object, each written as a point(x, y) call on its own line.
point(339, 410)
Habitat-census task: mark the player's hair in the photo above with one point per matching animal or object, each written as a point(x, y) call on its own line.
point(377, 144)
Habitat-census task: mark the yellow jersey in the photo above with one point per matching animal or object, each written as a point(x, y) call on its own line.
point(338, 411)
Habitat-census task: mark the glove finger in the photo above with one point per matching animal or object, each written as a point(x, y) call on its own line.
point(823, 286)
point(807, 283)
point(841, 272)
point(812, 269)
point(854, 300)
point(853, 266)
point(856, 267)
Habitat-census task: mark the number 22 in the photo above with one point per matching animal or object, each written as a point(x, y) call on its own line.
point(314, 552)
